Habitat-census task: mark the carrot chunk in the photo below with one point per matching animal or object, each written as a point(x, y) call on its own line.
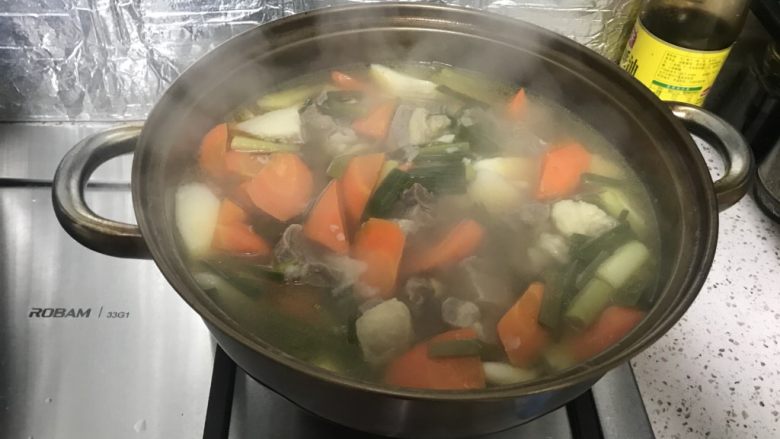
point(376, 123)
point(461, 241)
point(379, 244)
point(230, 213)
point(325, 224)
point(561, 171)
point(300, 302)
point(517, 107)
point(612, 325)
point(212, 150)
point(519, 330)
point(282, 188)
point(239, 238)
point(357, 184)
point(347, 82)
point(417, 370)
point(242, 163)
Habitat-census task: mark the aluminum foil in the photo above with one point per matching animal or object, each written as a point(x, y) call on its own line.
point(111, 59)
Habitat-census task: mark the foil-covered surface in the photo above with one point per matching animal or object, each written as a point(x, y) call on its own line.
point(111, 59)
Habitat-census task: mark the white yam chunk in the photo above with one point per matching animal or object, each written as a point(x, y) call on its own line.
point(384, 331)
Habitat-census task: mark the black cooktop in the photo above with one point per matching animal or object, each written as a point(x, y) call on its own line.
point(768, 11)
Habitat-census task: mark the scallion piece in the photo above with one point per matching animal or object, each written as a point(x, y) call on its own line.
point(289, 97)
point(558, 357)
point(338, 165)
point(588, 303)
point(623, 263)
point(550, 313)
point(589, 271)
point(482, 139)
point(443, 153)
point(637, 286)
point(600, 180)
point(443, 89)
point(245, 276)
point(576, 240)
point(381, 203)
point(252, 144)
point(568, 282)
point(242, 114)
point(607, 241)
point(552, 300)
point(468, 85)
point(441, 177)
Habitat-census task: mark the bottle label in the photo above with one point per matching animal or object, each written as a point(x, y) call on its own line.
point(672, 72)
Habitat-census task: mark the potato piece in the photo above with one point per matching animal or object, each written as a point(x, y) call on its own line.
point(384, 331)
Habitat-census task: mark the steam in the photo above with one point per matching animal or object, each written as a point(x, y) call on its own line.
point(257, 62)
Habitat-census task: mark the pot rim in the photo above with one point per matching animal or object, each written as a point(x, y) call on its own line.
point(690, 283)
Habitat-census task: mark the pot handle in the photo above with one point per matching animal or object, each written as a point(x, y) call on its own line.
point(97, 233)
point(737, 155)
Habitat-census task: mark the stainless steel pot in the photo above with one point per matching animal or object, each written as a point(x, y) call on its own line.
point(650, 136)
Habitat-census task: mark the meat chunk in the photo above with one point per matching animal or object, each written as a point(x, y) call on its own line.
point(414, 125)
point(549, 248)
point(476, 281)
point(416, 204)
point(554, 245)
point(572, 217)
point(315, 124)
point(398, 135)
point(333, 137)
point(301, 261)
point(423, 296)
point(459, 313)
point(532, 214)
point(424, 126)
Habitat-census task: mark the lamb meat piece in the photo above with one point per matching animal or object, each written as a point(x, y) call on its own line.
point(475, 280)
point(415, 125)
point(398, 134)
point(301, 261)
point(416, 204)
point(423, 297)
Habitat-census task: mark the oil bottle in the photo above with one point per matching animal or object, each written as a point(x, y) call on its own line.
point(678, 47)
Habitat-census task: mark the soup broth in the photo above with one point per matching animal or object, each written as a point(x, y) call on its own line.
point(419, 226)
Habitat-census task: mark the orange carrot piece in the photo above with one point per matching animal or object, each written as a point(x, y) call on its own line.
point(380, 245)
point(612, 325)
point(212, 150)
point(519, 330)
point(517, 107)
point(300, 302)
point(460, 242)
point(376, 123)
point(242, 163)
point(239, 238)
point(357, 183)
point(347, 82)
point(283, 187)
point(230, 213)
point(561, 171)
point(325, 224)
point(416, 369)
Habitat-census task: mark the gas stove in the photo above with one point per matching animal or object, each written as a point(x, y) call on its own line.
point(93, 346)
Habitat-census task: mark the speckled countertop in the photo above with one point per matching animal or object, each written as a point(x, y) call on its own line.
point(716, 373)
